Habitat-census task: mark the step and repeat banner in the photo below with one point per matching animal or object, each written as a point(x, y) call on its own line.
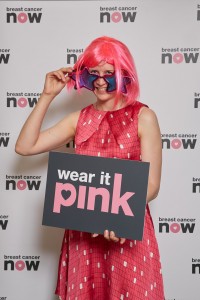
point(40, 36)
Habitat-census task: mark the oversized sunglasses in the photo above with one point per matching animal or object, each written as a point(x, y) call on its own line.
point(87, 79)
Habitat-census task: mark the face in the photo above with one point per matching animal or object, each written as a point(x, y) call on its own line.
point(100, 84)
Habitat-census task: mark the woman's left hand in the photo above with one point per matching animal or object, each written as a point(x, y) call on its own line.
point(110, 236)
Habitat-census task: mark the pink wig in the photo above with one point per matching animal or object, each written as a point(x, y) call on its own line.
point(109, 50)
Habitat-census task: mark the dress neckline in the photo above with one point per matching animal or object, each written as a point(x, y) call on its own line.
point(109, 111)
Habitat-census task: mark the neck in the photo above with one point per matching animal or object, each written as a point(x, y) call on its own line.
point(108, 106)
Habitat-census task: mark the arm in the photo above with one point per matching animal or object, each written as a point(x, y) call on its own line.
point(151, 149)
point(31, 140)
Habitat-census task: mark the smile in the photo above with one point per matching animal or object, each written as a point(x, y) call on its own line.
point(101, 88)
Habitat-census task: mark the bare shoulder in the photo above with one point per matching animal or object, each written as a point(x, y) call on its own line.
point(72, 118)
point(75, 115)
point(147, 120)
point(147, 115)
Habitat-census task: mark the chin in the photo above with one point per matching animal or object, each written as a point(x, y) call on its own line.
point(104, 96)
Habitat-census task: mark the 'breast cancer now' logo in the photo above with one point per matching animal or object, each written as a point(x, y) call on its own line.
point(22, 100)
point(195, 185)
point(73, 54)
point(116, 14)
point(3, 222)
point(196, 100)
point(4, 56)
point(198, 12)
point(21, 263)
point(179, 55)
point(4, 139)
point(176, 225)
point(195, 265)
point(20, 182)
point(179, 141)
point(23, 15)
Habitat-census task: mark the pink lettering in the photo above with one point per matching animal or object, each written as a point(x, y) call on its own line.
point(22, 17)
point(118, 201)
point(66, 195)
point(116, 17)
point(59, 193)
point(20, 265)
point(81, 197)
point(93, 192)
point(175, 227)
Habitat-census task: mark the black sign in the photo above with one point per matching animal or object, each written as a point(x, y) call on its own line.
point(91, 194)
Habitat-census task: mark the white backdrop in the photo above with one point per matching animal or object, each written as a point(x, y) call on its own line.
point(40, 36)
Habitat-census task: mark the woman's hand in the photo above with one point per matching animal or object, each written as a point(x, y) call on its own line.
point(55, 81)
point(31, 139)
point(110, 236)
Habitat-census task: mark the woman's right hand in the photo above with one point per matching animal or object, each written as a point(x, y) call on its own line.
point(110, 236)
point(55, 81)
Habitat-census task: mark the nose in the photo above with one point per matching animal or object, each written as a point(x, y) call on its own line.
point(100, 81)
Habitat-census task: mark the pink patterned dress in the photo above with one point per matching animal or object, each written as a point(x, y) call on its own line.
point(94, 268)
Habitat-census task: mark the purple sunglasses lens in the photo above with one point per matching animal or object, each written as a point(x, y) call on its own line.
point(86, 79)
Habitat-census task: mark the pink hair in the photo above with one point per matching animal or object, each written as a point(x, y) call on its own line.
point(114, 52)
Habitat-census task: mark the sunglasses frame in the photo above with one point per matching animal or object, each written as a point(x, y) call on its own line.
point(86, 79)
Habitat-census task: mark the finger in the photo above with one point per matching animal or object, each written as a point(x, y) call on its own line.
point(66, 70)
point(55, 74)
point(106, 235)
point(122, 240)
point(95, 234)
point(61, 75)
point(113, 237)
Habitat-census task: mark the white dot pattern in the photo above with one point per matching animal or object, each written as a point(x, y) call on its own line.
point(90, 268)
point(125, 263)
point(64, 263)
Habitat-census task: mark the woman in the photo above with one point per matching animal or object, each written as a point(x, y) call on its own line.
point(97, 267)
